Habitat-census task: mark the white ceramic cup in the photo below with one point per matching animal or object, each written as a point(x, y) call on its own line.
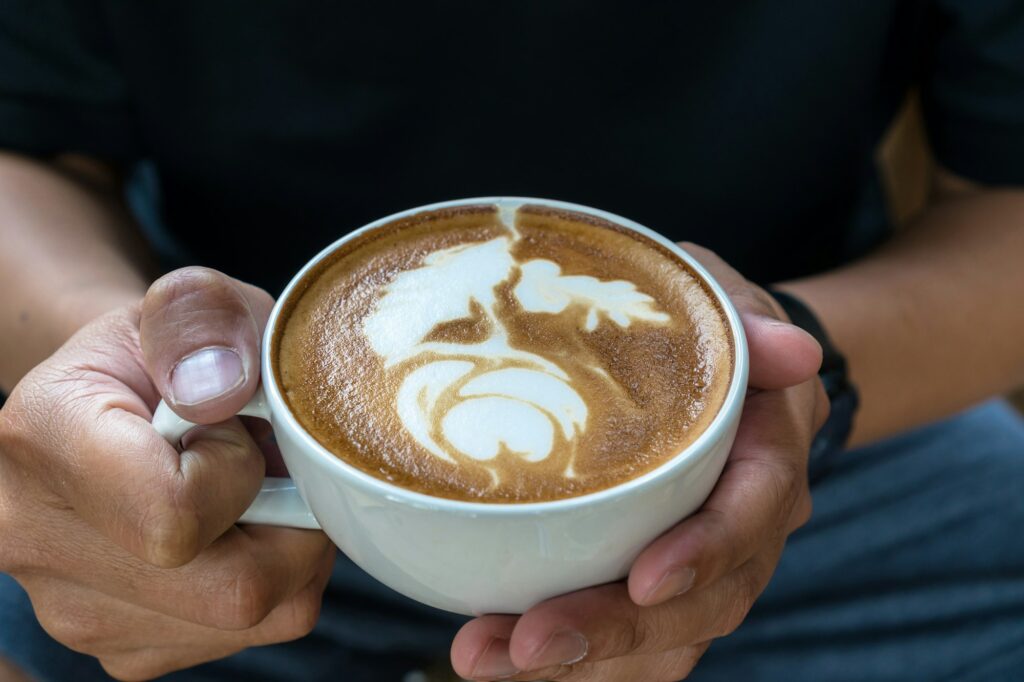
point(472, 557)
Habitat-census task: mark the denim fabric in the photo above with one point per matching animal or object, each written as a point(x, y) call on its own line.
point(912, 568)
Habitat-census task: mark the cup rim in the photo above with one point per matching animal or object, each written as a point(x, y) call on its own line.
point(701, 446)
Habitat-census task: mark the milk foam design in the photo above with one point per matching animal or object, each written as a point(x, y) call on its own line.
point(477, 400)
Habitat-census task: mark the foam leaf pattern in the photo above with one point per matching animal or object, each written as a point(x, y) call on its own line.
point(543, 288)
point(418, 300)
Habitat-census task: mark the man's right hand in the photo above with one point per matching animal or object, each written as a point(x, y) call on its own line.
point(127, 548)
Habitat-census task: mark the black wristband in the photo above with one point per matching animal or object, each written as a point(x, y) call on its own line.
point(841, 393)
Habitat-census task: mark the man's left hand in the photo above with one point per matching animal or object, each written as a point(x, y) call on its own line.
point(696, 582)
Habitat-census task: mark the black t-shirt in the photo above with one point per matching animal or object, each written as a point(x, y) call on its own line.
point(276, 127)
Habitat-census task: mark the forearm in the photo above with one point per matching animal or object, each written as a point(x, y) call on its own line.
point(70, 252)
point(932, 322)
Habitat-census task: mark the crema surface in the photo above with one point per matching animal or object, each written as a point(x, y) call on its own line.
point(519, 354)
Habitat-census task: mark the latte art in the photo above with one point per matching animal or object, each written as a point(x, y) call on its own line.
point(477, 399)
point(503, 353)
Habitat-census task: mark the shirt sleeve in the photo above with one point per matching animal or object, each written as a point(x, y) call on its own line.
point(973, 91)
point(60, 86)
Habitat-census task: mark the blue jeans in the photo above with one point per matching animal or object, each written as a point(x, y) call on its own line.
point(912, 567)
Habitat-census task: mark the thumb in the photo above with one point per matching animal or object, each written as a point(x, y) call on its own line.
point(781, 354)
point(200, 333)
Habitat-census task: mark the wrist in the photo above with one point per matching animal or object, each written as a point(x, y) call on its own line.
point(842, 394)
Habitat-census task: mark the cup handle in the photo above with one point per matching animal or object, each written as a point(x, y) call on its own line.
point(278, 503)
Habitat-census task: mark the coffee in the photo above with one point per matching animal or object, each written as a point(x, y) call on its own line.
point(503, 354)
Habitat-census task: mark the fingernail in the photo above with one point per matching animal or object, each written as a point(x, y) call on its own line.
point(562, 648)
point(674, 583)
point(495, 662)
point(206, 374)
point(769, 320)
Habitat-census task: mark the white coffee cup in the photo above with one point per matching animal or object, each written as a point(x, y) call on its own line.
point(471, 557)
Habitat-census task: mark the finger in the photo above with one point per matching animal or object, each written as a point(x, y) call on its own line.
point(195, 646)
point(598, 624)
point(200, 333)
point(135, 643)
point(126, 481)
point(239, 580)
point(603, 623)
point(480, 648)
point(781, 354)
point(94, 622)
point(232, 585)
point(670, 666)
point(752, 504)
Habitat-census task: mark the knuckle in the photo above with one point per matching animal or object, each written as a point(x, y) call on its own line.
point(169, 535)
point(635, 634)
point(304, 616)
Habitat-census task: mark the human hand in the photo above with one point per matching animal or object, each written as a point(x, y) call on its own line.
point(696, 582)
point(127, 549)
